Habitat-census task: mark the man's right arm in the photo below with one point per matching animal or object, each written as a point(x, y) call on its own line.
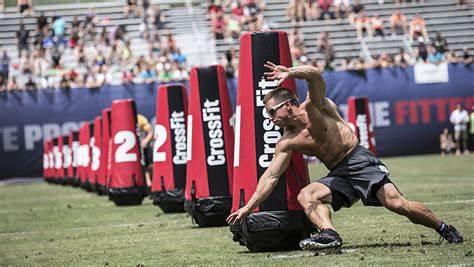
point(316, 84)
point(266, 183)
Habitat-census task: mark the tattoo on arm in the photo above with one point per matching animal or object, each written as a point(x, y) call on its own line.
point(316, 84)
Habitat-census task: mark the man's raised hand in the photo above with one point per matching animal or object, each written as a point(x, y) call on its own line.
point(277, 72)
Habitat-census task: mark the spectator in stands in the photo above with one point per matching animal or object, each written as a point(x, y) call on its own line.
point(179, 72)
point(325, 46)
point(440, 43)
point(359, 64)
point(75, 24)
point(356, 8)
point(421, 50)
point(418, 27)
point(170, 42)
point(377, 26)
point(362, 23)
point(4, 67)
point(341, 8)
point(213, 9)
point(462, 3)
point(158, 18)
point(145, 6)
point(466, 56)
point(382, 61)
point(446, 142)
point(12, 84)
point(166, 74)
point(325, 9)
point(25, 7)
point(3, 84)
point(434, 57)
point(131, 7)
point(91, 81)
point(346, 64)
point(297, 45)
point(460, 118)
point(30, 84)
point(59, 27)
point(311, 10)
point(295, 10)
point(218, 27)
point(252, 14)
point(179, 57)
point(91, 19)
point(233, 27)
point(22, 36)
point(403, 59)
point(451, 57)
point(41, 22)
point(398, 23)
point(237, 9)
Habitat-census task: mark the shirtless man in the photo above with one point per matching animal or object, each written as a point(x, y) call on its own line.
point(315, 128)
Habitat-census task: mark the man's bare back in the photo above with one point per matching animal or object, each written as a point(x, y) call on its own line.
point(326, 136)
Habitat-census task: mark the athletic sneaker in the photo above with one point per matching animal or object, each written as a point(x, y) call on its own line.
point(327, 238)
point(451, 235)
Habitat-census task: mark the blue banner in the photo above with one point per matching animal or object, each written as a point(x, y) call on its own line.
point(408, 117)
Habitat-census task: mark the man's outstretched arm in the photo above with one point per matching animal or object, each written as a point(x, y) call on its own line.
point(316, 84)
point(266, 183)
point(312, 75)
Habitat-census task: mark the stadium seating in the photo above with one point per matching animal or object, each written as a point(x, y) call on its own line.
point(192, 28)
point(442, 15)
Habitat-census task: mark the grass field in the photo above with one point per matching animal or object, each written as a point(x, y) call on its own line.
point(51, 225)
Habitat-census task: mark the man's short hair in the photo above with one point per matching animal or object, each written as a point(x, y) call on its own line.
point(281, 94)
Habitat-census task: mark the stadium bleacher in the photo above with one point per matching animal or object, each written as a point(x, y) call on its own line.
point(189, 23)
point(454, 23)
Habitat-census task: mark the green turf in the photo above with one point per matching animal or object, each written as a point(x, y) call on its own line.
point(51, 225)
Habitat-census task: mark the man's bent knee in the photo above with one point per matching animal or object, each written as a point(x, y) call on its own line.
point(314, 192)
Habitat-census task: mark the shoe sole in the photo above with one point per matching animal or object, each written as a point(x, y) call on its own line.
point(318, 246)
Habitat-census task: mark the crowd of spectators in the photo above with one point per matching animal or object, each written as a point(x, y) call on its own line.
point(433, 51)
point(230, 18)
point(90, 51)
point(423, 54)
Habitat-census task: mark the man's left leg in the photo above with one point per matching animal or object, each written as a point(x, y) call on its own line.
point(416, 212)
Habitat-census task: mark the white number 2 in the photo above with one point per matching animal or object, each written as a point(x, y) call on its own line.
point(160, 138)
point(127, 141)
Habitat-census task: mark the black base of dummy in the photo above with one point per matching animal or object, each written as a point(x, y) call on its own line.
point(170, 201)
point(211, 211)
point(127, 196)
point(272, 230)
point(76, 182)
point(101, 190)
point(86, 186)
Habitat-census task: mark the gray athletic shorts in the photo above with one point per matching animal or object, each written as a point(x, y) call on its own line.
point(358, 176)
